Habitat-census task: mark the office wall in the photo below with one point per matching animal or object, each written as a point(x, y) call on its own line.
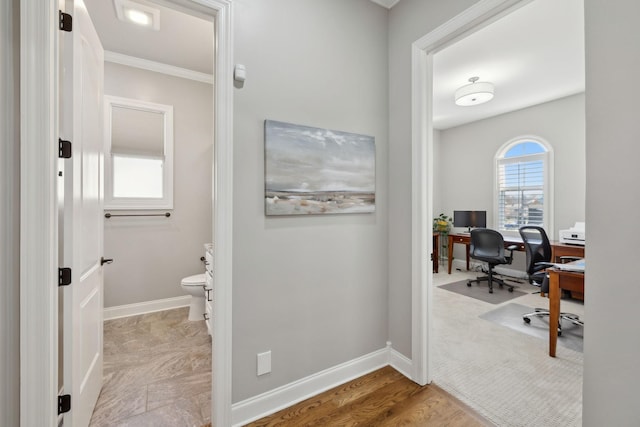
point(312, 289)
point(152, 254)
point(409, 20)
point(612, 343)
point(467, 152)
point(10, 219)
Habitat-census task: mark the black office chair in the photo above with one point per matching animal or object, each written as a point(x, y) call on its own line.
point(538, 250)
point(488, 246)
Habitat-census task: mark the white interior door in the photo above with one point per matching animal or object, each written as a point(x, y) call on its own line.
point(81, 118)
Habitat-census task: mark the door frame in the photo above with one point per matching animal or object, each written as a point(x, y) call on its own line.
point(39, 86)
point(475, 17)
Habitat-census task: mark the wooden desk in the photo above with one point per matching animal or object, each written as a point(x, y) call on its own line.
point(560, 280)
point(562, 249)
point(557, 249)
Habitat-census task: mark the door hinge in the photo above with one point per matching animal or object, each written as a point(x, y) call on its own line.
point(64, 403)
point(64, 276)
point(64, 149)
point(66, 21)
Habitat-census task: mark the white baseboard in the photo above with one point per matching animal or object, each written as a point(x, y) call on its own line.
point(277, 399)
point(146, 307)
point(399, 362)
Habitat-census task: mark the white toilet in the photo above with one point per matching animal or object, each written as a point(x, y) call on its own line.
point(194, 285)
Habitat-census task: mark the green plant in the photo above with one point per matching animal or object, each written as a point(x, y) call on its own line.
point(442, 223)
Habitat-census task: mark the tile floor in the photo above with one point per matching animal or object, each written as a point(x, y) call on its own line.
point(157, 372)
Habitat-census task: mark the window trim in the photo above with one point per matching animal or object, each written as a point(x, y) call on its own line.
point(547, 156)
point(121, 203)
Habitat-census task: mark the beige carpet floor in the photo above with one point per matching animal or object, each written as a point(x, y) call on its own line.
point(506, 375)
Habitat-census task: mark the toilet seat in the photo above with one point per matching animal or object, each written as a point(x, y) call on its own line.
point(195, 280)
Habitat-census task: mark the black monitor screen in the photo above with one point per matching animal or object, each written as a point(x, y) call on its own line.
point(470, 219)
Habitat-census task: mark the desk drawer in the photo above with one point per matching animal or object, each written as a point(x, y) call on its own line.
point(461, 239)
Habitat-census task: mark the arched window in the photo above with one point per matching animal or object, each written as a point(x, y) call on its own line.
point(523, 185)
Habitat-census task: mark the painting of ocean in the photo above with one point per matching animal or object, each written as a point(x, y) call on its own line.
point(311, 170)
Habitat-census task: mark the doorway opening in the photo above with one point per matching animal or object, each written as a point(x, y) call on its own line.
point(425, 161)
point(40, 37)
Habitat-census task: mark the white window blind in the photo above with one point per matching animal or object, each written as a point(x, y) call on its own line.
point(521, 191)
point(139, 154)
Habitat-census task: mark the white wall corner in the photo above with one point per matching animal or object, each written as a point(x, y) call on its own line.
point(399, 362)
point(386, 3)
point(282, 397)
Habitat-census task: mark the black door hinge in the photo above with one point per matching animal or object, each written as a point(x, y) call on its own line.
point(64, 276)
point(66, 21)
point(64, 403)
point(64, 149)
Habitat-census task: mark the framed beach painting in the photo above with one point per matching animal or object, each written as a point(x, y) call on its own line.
point(311, 170)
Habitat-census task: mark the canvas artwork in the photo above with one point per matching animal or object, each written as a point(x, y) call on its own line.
point(317, 171)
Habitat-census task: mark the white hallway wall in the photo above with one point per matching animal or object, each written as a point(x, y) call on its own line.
point(467, 152)
point(612, 342)
point(409, 20)
point(312, 289)
point(152, 254)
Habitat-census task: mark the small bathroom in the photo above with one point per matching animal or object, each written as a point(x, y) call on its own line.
point(155, 238)
point(157, 221)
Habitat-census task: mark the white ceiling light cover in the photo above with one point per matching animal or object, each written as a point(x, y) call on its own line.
point(140, 14)
point(474, 93)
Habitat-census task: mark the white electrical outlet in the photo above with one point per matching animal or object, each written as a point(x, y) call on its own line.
point(264, 363)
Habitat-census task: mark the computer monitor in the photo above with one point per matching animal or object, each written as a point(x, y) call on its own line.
point(470, 219)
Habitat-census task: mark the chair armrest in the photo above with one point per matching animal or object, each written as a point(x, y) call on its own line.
point(544, 264)
point(564, 259)
point(511, 248)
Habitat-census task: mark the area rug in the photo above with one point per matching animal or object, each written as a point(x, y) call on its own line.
point(510, 315)
point(481, 291)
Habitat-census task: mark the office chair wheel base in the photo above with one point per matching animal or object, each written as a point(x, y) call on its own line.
point(526, 320)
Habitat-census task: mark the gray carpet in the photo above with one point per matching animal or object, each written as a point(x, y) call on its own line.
point(510, 315)
point(481, 291)
point(505, 375)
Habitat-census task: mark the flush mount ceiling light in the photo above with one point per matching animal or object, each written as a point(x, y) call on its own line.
point(475, 93)
point(137, 13)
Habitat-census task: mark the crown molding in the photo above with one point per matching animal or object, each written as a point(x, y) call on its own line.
point(158, 67)
point(386, 3)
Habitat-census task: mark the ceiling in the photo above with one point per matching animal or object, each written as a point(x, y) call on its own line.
point(184, 40)
point(533, 55)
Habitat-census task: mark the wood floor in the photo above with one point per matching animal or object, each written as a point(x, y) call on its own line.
point(381, 398)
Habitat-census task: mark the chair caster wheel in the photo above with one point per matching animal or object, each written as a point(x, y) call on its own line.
point(559, 333)
point(526, 320)
point(490, 291)
point(469, 283)
point(510, 289)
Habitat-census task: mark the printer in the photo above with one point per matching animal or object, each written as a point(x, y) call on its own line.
point(574, 235)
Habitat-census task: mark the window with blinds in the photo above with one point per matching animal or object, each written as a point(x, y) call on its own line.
point(522, 182)
point(139, 154)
